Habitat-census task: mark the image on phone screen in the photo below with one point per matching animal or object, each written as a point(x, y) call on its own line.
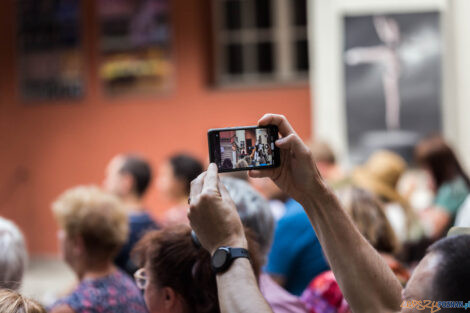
point(244, 148)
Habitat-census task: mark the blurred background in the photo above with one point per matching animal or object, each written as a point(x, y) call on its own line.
point(82, 81)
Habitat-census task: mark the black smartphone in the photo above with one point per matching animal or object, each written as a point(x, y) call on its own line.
point(244, 148)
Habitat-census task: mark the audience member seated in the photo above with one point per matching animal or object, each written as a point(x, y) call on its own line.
point(380, 175)
point(366, 281)
point(176, 273)
point(13, 255)
point(173, 183)
point(463, 216)
point(326, 163)
point(13, 302)
point(450, 182)
point(366, 211)
point(93, 227)
point(128, 177)
point(256, 215)
point(296, 256)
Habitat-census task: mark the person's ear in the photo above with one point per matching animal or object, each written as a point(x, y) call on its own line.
point(126, 183)
point(170, 298)
point(78, 245)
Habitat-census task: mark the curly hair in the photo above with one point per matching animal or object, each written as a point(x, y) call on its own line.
point(13, 302)
point(98, 217)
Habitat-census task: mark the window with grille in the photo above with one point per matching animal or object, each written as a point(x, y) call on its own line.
point(260, 41)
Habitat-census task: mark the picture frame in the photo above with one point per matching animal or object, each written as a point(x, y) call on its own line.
point(326, 18)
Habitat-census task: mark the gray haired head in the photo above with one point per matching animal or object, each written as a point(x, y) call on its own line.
point(254, 211)
point(13, 256)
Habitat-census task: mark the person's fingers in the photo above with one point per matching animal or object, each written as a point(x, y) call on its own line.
point(196, 187)
point(285, 129)
point(293, 143)
point(223, 191)
point(211, 179)
point(261, 173)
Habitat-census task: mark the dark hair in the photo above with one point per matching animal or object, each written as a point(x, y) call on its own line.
point(175, 261)
point(227, 164)
point(186, 168)
point(140, 171)
point(434, 153)
point(452, 278)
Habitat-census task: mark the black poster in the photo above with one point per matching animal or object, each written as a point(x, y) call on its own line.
point(393, 81)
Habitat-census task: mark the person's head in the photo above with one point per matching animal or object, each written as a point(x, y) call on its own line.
point(325, 158)
point(254, 212)
point(241, 164)
point(175, 176)
point(13, 255)
point(128, 175)
point(368, 215)
point(93, 224)
point(443, 274)
point(437, 157)
point(13, 302)
point(380, 175)
point(227, 164)
point(178, 271)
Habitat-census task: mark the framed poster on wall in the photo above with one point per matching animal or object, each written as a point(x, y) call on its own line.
point(49, 44)
point(392, 81)
point(380, 75)
point(134, 46)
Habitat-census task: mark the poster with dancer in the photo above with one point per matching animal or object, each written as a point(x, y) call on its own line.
point(393, 81)
point(50, 57)
point(134, 46)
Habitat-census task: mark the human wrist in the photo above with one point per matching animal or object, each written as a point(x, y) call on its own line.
point(233, 242)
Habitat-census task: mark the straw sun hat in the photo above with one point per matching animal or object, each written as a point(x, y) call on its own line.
point(380, 175)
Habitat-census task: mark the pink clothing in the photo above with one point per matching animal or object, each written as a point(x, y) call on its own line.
point(279, 299)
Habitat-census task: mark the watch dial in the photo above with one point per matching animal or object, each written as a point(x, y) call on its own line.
point(220, 256)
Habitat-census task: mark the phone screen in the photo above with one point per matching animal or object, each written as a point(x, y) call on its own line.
point(244, 148)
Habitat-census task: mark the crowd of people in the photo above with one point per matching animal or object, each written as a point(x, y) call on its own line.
point(307, 237)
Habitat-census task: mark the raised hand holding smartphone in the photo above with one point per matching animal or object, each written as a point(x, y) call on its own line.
point(244, 148)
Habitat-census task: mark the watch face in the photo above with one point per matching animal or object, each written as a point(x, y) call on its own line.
point(219, 258)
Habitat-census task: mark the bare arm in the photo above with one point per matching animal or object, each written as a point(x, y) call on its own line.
point(238, 290)
point(215, 220)
point(365, 279)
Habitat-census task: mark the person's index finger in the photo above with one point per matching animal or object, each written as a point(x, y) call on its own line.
point(285, 129)
point(196, 186)
point(211, 179)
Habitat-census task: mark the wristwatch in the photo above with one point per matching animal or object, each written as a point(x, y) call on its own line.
point(223, 257)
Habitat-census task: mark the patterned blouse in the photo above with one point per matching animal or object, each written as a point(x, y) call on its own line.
point(324, 296)
point(115, 293)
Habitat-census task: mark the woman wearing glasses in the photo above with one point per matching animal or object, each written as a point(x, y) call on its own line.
point(176, 273)
point(93, 229)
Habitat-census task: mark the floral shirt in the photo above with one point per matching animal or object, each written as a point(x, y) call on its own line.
point(115, 293)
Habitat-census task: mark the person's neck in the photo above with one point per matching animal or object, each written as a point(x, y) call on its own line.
point(132, 203)
point(97, 271)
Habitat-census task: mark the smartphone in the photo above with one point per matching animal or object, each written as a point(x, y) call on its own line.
point(244, 148)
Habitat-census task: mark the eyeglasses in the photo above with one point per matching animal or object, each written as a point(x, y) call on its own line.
point(141, 278)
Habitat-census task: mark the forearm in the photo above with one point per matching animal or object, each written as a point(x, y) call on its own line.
point(238, 290)
point(365, 279)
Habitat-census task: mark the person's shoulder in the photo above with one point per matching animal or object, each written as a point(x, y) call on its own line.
point(142, 219)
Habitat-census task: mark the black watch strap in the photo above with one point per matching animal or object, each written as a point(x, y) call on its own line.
point(239, 253)
point(223, 257)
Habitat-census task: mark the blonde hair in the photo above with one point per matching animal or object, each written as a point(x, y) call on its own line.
point(96, 216)
point(368, 215)
point(13, 302)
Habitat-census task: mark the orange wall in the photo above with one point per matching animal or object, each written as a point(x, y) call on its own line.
point(45, 149)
